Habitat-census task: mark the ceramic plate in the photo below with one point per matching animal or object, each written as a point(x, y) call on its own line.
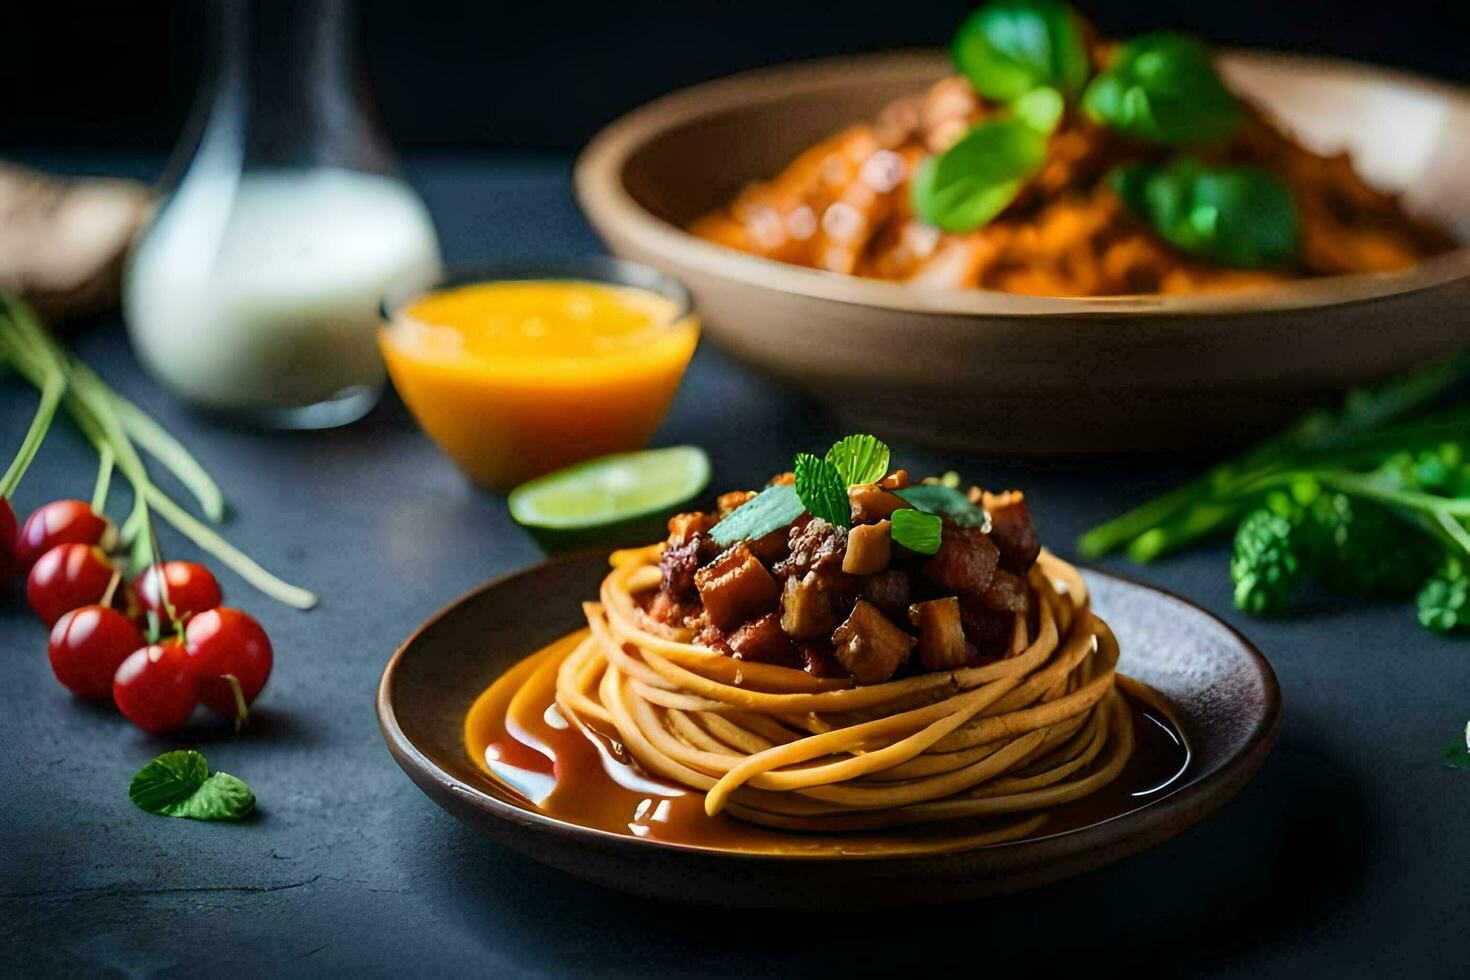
point(1227, 702)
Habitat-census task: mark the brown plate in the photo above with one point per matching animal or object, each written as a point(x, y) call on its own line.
point(1037, 374)
point(1227, 700)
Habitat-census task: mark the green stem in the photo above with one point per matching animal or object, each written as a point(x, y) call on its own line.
point(1427, 503)
point(162, 446)
point(53, 386)
point(105, 461)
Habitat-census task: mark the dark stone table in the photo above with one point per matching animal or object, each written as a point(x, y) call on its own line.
point(1346, 856)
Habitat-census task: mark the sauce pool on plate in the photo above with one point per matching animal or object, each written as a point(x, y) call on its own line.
point(519, 737)
point(518, 378)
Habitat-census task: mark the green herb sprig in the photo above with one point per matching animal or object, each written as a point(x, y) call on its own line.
point(179, 784)
point(1240, 217)
point(1163, 87)
point(1371, 498)
point(917, 531)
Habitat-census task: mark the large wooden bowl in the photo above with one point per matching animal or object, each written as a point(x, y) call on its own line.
point(990, 370)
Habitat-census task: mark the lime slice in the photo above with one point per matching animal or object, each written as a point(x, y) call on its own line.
point(611, 489)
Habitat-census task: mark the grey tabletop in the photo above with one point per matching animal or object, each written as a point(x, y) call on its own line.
point(1346, 854)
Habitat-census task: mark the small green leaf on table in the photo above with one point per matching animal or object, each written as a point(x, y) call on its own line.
point(178, 784)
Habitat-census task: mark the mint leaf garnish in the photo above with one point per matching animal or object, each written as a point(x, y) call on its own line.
point(774, 507)
point(859, 459)
point(917, 531)
point(178, 784)
point(946, 501)
point(822, 490)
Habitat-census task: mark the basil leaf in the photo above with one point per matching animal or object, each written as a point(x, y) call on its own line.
point(859, 459)
point(178, 784)
point(917, 531)
point(222, 797)
point(821, 490)
point(1241, 217)
point(974, 180)
point(169, 779)
point(774, 507)
point(1008, 47)
point(1041, 109)
point(1163, 87)
point(951, 502)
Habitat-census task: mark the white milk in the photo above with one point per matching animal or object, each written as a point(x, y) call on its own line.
point(261, 292)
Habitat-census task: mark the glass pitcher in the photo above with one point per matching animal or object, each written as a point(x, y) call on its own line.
point(255, 290)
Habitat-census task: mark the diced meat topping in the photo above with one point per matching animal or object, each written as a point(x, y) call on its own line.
point(1007, 593)
point(1012, 531)
point(808, 609)
point(678, 565)
point(965, 562)
point(889, 591)
point(941, 634)
point(736, 587)
point(728, 503)
point(897, 480)
point(869, 547)
point(814, 546)
point(763, 641)
point(987, 630)
point(870, 502)
point(869, 646)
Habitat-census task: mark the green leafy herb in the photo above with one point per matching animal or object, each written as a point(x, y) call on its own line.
point(1163, 87)
point(859, 459)
point(178, 784)
point(822, 490)
point(1041, 109)
point(1444, 600)
point(774, 507)
point(974, 180)
point(946, 501)
point(917, 531)
point(1360, 548)
point(1008, 47)
point(1267, 563)
point(1241, 217)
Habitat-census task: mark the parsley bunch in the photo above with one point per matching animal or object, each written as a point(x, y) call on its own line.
point(1370, 498)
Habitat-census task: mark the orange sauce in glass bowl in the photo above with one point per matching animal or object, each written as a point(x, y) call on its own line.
point(517, 378)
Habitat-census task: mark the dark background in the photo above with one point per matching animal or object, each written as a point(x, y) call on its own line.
point(546, 75)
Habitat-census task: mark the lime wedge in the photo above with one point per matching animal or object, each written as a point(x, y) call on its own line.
point(611, 489)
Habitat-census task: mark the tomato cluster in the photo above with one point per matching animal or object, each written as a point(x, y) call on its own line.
point(100, 644)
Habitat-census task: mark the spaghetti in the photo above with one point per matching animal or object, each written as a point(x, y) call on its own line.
point(1010, 738)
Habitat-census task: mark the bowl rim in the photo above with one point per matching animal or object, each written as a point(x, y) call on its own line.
point(1191, 797)
point(599, 190)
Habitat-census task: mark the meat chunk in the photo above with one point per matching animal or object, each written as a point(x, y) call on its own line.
point(815, 546)
point(889, 591)
point(869, 546)
point(763, 641)
point(987, 630)
point(869, 646)
point(870, 502)
point(1008, 592)
point(770, 548)
point(819, 659)
point(1011, 530)
point(897, 480)
point(678, 565)
point(727, 503)
point(684, 527)
point(807, 607)
point(736, 587)
point(941, 634)
point(965, 562)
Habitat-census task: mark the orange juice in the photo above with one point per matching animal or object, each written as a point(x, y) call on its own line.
point(518, 378)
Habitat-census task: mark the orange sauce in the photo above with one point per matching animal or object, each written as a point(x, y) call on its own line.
point(518, 736)
point(515, 379)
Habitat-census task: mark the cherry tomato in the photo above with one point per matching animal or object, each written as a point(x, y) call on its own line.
point(68, 577)
point(192, 589)
point(88, 645)
point(61, 522)
point(154, 687)
point(227, 641)
point(7, 542)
